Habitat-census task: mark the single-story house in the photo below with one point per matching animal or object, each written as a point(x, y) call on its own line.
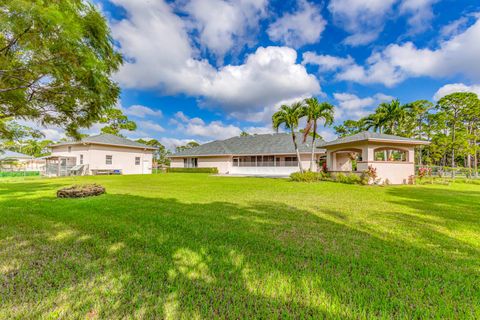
point(261, 154)
point(99, 154)
point(274, 154)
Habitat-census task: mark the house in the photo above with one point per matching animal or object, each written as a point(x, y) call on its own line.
point(393, 157)
point(274, 154)
point(262, 154)
point(99, 154)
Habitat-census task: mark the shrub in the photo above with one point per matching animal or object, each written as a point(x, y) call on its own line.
point(18, 174)
point(423, 172)
point(193, 170)
point(369, 175)
point(307, 176)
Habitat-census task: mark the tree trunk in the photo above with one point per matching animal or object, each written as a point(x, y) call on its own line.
point(475, 155)
point(312, 160)
point(297, 151)
point(453, 151)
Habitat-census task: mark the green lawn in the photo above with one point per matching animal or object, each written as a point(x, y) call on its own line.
point(196, 246)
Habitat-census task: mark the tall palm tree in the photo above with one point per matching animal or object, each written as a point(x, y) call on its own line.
point(391, 115)
point(373, 121)
point(314, 111)
point(289, 116)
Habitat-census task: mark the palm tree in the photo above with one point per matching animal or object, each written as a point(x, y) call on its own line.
point(391, 115)
point(373, 121)
point(314, 111)
point(289, 117)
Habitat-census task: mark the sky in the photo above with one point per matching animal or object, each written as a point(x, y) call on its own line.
point(205, 70)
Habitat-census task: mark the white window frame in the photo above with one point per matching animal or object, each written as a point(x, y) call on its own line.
point(137, 161)
point(107, 160)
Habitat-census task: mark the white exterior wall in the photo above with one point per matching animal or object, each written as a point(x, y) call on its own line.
point(123, 158)
point(223, 164)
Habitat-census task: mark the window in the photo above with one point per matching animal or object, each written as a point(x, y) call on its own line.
point(291, 162)
point(108, 159)
point(390, 154)
point(81, 159)
point(190, 162)
point(137, 161)
point(69, 149)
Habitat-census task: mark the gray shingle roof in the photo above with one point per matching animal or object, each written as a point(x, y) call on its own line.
point(108, 139)
point(7, 154)
point(367, 135)
point(278, 143)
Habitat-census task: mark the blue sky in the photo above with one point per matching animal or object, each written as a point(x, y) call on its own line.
point(208, 69)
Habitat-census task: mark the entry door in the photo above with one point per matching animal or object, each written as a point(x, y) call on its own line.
point(146, 166)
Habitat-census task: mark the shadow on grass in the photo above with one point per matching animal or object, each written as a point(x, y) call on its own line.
point(128, 256)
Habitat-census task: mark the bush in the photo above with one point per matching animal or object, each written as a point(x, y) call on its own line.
point(308, 176)
point(18, 174)
point(193, 170)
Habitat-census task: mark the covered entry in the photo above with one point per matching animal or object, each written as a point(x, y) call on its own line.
point(391, 156)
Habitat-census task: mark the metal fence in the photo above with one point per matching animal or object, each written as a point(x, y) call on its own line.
point(439, 171)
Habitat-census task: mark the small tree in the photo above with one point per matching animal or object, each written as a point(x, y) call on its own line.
point(314, 111)
point(289, 117)
point(116, 121)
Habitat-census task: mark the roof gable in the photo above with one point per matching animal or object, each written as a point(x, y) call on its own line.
point(372, 136)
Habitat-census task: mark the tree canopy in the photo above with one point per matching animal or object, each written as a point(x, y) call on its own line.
point(56, 59)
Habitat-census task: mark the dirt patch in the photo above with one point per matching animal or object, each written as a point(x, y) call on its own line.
point(81, 191)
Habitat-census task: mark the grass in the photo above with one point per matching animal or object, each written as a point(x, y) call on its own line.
point(196, 246)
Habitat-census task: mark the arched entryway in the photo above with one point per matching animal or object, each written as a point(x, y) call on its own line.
point(345, 160)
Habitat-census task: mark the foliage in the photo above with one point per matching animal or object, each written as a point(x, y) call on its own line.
point(193, 170)
point(369, 175)
point(190, 145)
point(308, 176)
point(424, 171)
point(56, 59)
point(289, 117)
point(244, 134)
point(9, 174)
point(315, 111)
point(116, 121)
point(160, 156)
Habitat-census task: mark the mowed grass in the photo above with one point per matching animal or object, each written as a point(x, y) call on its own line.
point(194, 246)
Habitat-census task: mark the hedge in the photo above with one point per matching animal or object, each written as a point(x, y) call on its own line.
point(193, 170)
point(18, 174)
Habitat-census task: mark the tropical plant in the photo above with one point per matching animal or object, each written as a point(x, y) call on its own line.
point(289, 117)
point(315, 111)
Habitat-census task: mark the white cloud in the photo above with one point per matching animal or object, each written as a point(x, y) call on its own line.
point(150, 125)
point(420, 12)
point(456, 87)
point(259, 130)
point(326, 62)
point(353, 107)
point(141, 111)
point(299, 28)
point(456, 56)
point(224, 24)
point(267, 76)
point(363, 19)
point(198, 127)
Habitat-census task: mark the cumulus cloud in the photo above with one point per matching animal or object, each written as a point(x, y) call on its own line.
point(299, 28)
point(455, 87)
point(353, 107)
point(140, 111)
point(267, 76)
point(198, 127)
point(150, 126)
point(224, 24)
point(397, 62)
point(172, 143)
point(327, 62)
point(420, 13)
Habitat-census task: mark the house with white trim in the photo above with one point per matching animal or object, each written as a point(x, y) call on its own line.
point(274, 155)
point(99, 154)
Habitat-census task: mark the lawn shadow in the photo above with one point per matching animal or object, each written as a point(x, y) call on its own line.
point(118, 256)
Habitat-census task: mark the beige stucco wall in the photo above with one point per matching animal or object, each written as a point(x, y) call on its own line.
point(395, 172)
point(123, 158)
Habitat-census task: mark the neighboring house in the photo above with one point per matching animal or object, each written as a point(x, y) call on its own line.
point(274, 154)
point(100, 154)
point(262, 154)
